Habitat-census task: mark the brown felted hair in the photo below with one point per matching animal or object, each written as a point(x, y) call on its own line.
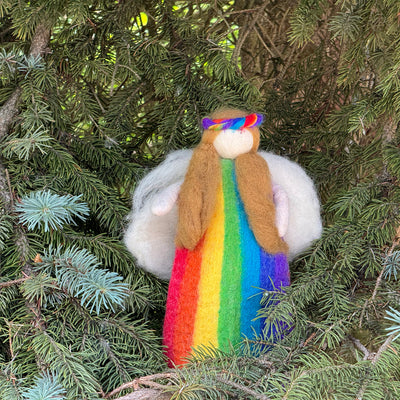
point(255, 188)
point(197, 197)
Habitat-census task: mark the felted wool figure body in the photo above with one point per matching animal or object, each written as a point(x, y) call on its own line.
point(222, 226)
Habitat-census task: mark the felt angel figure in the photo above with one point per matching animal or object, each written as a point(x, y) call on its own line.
point(221, 222)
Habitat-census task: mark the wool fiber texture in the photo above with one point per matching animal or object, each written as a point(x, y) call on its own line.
point(151, 239)
point(304, 225)
point(224, 226)
point(209, 135)
point(196, 202)
point(226, 277)
point(255, 188)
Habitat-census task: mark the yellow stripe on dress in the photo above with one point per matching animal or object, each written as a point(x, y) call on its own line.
point(206, 322)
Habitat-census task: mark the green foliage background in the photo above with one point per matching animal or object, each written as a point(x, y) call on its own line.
point(93, 94)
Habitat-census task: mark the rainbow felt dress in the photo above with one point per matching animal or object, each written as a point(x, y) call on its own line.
point(215, 289)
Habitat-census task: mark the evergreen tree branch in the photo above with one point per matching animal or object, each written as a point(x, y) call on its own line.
point(383, 348)
point(150, 382)
point(380, 276)
point(390, 252)
point(10, 108)
point(270, 41)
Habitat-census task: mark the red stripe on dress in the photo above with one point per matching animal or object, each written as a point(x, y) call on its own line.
point(187, 306)
point(178, 271)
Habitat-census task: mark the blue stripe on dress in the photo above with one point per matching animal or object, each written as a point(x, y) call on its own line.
point(250, 272)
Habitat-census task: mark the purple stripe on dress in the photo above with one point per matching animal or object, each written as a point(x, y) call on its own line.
point(281, 275)
point(274, 275)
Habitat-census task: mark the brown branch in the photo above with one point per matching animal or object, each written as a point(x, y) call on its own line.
point(381, 349)
point(9, 109)
point(309, 339)
point(379, 279)
point(15, 282)
point(244, 389)
point(157, 389)
point(5, 197)
point(113, 79)
point(146, 394)
point(263, 42)
point(361, 347)
point(144, 380)
point(270, 40)
point(390, 252)
point(250, 27)
point(40, 41)
point(374, 360)
point(10, 189)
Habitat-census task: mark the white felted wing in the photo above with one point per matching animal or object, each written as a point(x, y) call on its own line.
point(150, 238)
point(304, 223)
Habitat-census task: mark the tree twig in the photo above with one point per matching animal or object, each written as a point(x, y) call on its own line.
point(379, 279)
point(113, 79)
point(146, 394)
point(271, 41)
point(8, 111)
point(374, 360)
point(5, 197)
point(361, 347)
point(243, 388)
point(381, 349)
point(242, 38)
point(14, 282)
point(144, 380)
point(9, 188)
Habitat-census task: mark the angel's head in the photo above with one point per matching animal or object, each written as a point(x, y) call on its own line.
point(232, 132)
point(198, 195)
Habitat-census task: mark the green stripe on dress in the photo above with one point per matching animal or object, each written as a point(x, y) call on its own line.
point(230, 293)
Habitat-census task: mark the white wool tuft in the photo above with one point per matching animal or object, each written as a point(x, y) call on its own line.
point(150, 238)
point(304, 225)
point(170, 171)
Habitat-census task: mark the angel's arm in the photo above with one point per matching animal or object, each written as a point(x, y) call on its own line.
point(166, 199)
point(281, 202)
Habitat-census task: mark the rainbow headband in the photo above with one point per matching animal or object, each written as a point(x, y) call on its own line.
point(249, 121)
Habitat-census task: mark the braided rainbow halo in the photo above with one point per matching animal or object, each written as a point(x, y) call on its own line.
point(248, 121)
